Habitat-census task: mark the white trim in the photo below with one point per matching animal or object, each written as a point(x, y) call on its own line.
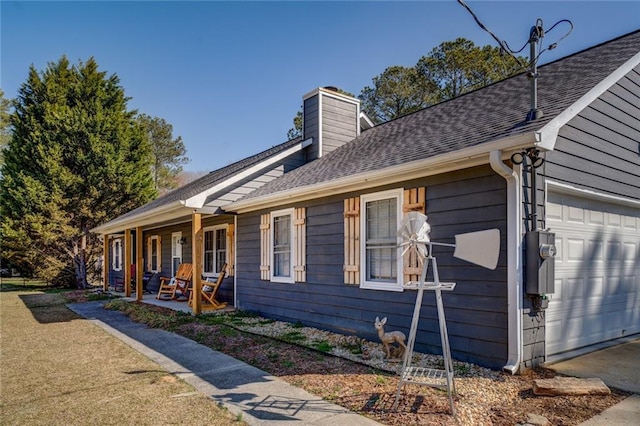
point(167, 212)
point(547, 136)
point(398, 194)
point(116, 248)
point(320, 143)
point(235, 260)
point(593, 195)
point(331, 94)
point(197, 201)
point(175, 235)
point(364, 121)
point(514, 261)
point(213, 229)
point(180, 208)
point(468, 157)
point(292, 244)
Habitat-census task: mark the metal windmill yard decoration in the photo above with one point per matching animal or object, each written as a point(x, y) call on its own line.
point(481, 248)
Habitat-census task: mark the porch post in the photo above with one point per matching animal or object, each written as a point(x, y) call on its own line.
point(127, 262)
point(105, 262)
point(196, 258)
point(139, 265)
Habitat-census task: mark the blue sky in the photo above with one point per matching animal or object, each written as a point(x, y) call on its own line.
point(230, 76)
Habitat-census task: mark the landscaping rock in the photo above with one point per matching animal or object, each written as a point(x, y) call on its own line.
point(536, 420)
point(570, 386)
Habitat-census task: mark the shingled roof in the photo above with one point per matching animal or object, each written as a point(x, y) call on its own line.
point(202, 184)
point(492, 113)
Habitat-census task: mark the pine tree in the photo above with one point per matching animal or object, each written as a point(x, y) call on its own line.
point(76, 158)
point(167, 154)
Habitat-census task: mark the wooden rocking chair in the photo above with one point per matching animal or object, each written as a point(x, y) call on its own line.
point(208, 293)
point(179, 283)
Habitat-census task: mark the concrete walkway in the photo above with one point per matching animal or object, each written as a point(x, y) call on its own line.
point(256, 396)
point(618, 367)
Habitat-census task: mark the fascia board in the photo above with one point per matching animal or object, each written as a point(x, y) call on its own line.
point(197, 201)
point(178, 208)
point(118, 224)
point(457, 160)
point(365, 121)
point(548, 135)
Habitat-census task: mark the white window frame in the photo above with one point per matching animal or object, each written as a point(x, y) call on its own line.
point(116, 256)
point(216, 267)
point(176, 245)
point(292, 244)
point(159, 254)
point(398, 194)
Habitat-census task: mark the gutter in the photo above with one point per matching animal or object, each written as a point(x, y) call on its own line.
point(469, 157)
point(514, 260)
point(150, 216)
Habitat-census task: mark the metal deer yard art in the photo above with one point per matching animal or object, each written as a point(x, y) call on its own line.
point(481, 248)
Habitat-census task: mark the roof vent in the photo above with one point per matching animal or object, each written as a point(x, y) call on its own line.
point(331, 88)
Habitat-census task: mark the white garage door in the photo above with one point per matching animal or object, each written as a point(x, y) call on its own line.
point(597, 287)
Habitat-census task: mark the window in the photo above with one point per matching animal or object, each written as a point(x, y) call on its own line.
point(116, 258)
point(381, 217)
point(215, 250)
point(154, 254)
point(282, 242)
point(176, 251)
point(283, 246)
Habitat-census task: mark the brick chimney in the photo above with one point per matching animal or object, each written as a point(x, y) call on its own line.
point(331, 119)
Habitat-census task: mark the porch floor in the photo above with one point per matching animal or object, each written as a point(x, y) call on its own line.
point(176, 305)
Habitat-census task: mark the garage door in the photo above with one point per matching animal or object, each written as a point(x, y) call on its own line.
point(597, 287)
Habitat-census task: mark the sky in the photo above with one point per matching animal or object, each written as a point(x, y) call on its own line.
point(230, 76)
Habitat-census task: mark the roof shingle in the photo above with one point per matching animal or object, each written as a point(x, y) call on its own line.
point(493, 112)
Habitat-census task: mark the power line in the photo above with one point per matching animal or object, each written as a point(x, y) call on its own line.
point(536, 34)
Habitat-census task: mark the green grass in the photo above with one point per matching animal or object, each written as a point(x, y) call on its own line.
point(293, 336)
point(322, 346)
point(19, 283)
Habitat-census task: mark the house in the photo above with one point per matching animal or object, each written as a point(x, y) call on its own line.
point(311, 234)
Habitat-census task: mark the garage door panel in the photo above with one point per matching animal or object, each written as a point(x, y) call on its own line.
point(597, 283)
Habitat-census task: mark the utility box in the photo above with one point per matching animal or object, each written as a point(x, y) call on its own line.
point(540, 262)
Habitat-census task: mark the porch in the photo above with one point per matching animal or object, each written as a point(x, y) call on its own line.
point(179, 305)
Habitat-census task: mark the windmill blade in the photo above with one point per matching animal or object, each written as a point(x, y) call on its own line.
point(415, 228)
point(481, 247)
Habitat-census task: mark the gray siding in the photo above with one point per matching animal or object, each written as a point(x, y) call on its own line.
point(339, 123)
point(310, 126)
point(476, 311)
point(338, 119)
point(599, 149)
point(233, 193)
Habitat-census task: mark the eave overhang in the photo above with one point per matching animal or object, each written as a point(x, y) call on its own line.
point(195, 204)
point(456, 160)
point(548, 134)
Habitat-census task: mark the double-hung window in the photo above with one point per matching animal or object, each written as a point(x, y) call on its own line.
point(116, 258)
point(215, 250)
point(281, 246)
point(382, 214)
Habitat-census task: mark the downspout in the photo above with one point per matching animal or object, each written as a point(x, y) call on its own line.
point(514, 260)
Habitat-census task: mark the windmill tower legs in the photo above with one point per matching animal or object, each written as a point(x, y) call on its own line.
point(429, 376)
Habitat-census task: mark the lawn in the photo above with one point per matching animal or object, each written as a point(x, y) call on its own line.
point(57, 368)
